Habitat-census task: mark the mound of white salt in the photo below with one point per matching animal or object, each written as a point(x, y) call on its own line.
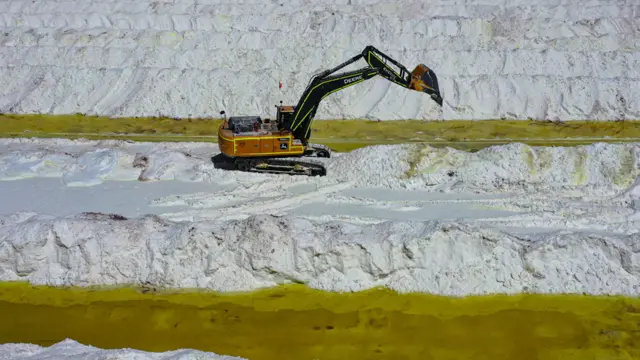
point(609, 168)
point(17, 165)
point(93, 167)
point(71, 349)
point(261, 251)
point(380, 165)
point(597, 170)
point(500, 58)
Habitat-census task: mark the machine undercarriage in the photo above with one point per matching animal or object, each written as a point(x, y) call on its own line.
point(291, 165)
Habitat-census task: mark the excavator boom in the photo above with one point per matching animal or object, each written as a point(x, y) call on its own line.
point(327, 82)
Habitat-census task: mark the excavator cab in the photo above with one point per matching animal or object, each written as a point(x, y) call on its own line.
point(424, 80)
point(285, 114)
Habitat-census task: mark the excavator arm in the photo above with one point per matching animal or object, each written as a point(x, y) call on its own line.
point(327, 82)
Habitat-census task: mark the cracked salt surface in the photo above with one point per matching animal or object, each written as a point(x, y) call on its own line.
point(509, 219)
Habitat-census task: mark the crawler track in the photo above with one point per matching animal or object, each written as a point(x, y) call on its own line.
point(291, 166)
point(285, 165)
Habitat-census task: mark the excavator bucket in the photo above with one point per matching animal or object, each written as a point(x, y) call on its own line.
point(425, 80)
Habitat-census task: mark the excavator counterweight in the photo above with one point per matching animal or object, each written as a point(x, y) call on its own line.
point(250, 143)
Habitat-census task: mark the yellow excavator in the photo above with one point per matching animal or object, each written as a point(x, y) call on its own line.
point(253, 144)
